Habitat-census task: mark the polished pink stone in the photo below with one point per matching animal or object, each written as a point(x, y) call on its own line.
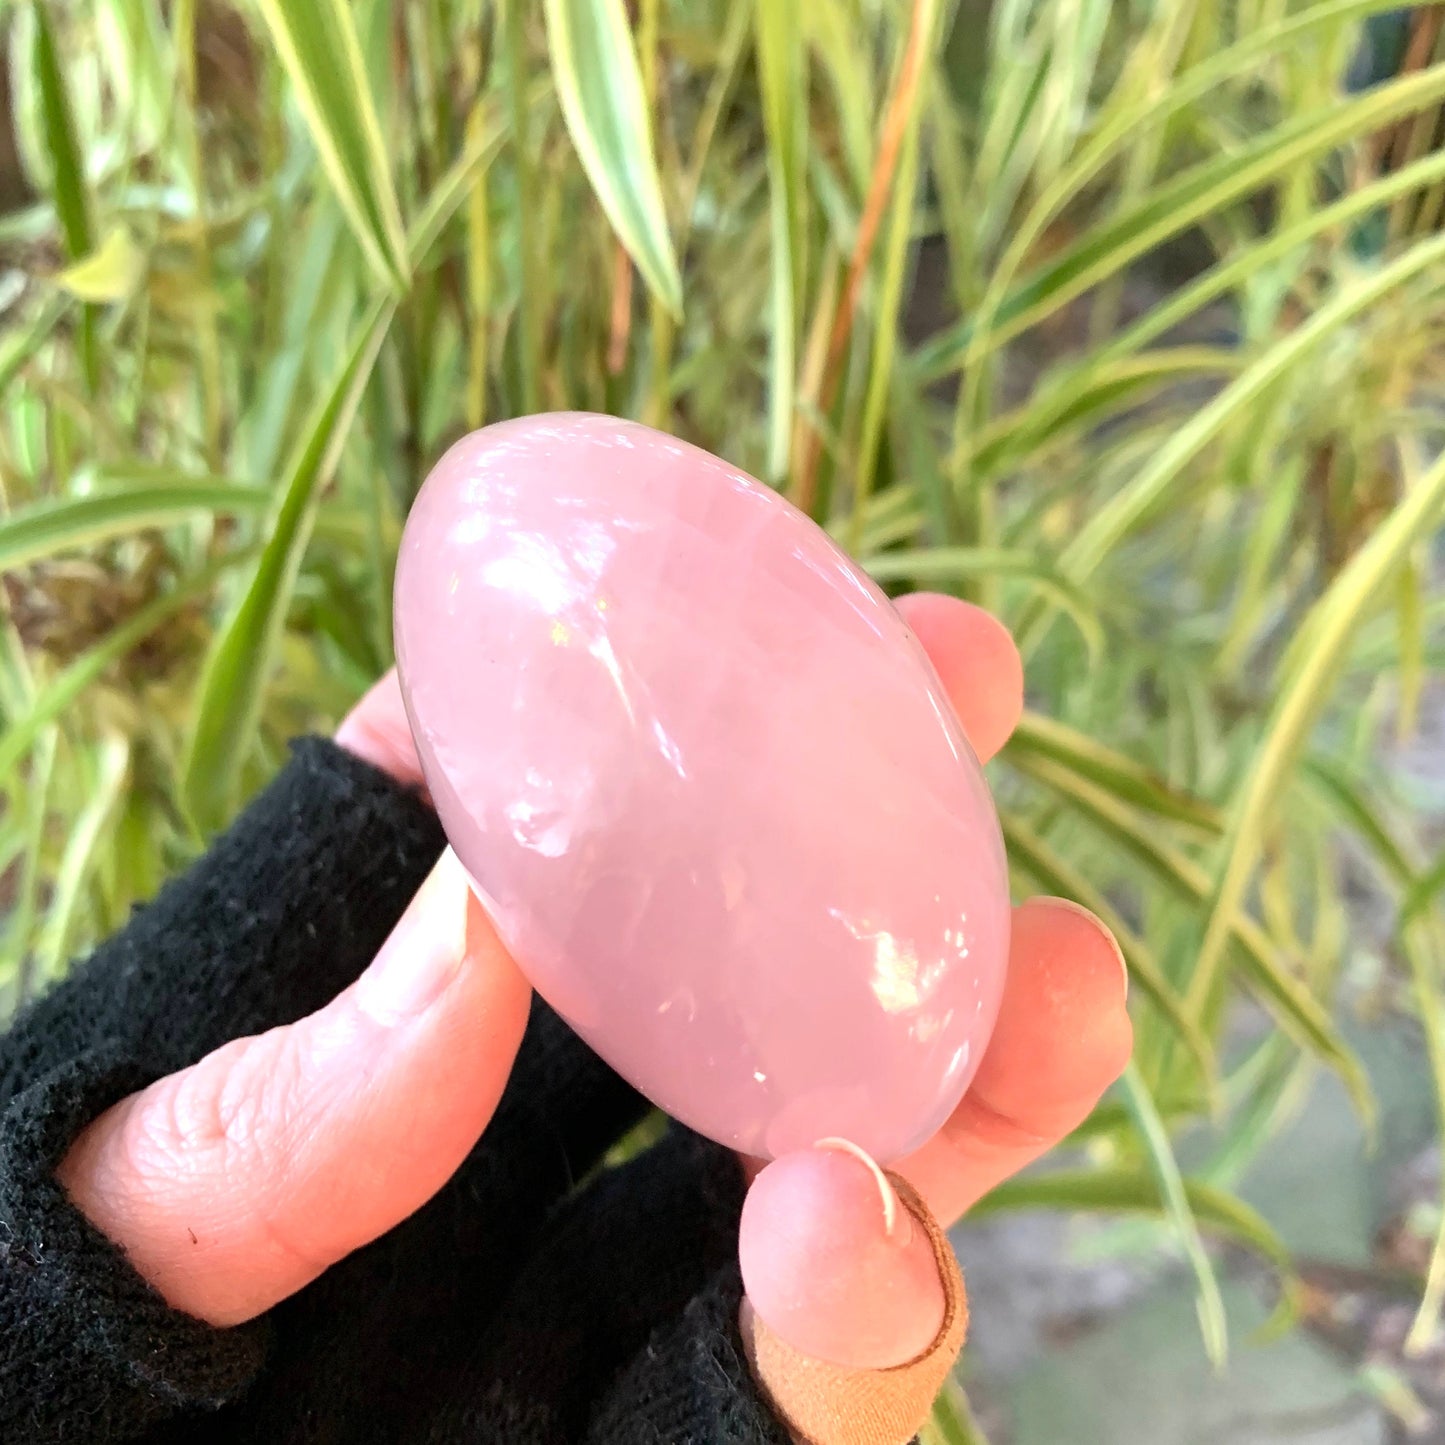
point(705, 781)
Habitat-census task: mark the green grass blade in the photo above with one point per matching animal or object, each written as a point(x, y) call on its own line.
point(1322, 644)
point(82, 844)
point(1264, 1095)
point(25, 906)
point(1423, 947)
point(599, 82)
point(231, 690)
point(319, 47)
point(781, 81)
point(1344, 797)
point(46, 528)
point(952, 1421)
point(229, 700)
point(536, 283)
point(1113, 771)
point(484, 143)
point(1092, 393)
point(20, 344)
point(1424, 893)
point(69, 188)
point(1175, 1198)
point(898, 237)
point(1229, 275)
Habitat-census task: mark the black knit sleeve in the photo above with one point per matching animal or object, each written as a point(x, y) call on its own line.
point(283, 911)
point(621, 1325)
point(690, 1381)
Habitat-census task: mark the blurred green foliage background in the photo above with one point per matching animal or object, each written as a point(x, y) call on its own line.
point(1122, 319)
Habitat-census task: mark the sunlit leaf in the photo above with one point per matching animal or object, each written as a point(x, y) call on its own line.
point(318, 45)
point(228, 706)
point(109, 274)
point(594, 66)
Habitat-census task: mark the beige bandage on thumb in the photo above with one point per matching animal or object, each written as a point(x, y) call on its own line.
point(824, 1404)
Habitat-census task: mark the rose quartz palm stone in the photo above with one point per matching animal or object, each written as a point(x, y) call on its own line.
point(706, 783)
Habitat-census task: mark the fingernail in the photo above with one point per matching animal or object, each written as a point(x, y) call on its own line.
point(424, 952)
point(1107, 932)
point(897, 1222)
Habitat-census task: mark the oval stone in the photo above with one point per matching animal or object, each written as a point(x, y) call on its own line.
point(706, 783)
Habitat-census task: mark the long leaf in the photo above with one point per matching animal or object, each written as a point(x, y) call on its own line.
point(1092, 392)
point(229, 702)
point(67, 173)
point(25, 906)
point(1220, 280)
point(484, 141)
point(1323, 641)
point(780, 79)
point(319, 47)
point(82, 843)
point(897, 240)
point(599, 82)
point(72, 196)
point(952, 1421)
point(1423, 894)
point(1117, 773)
point(228, 706)
point(1175, 1198)
point(61, 525)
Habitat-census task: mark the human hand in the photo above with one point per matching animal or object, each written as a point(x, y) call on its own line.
point(235, 1182)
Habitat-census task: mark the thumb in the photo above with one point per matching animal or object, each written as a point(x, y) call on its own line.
point(235, 1182)
point(855, 1310)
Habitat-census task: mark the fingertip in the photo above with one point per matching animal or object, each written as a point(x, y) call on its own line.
point(1049, 929)
point(976, 660)
point(833, 1270)
point(1067, 980)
